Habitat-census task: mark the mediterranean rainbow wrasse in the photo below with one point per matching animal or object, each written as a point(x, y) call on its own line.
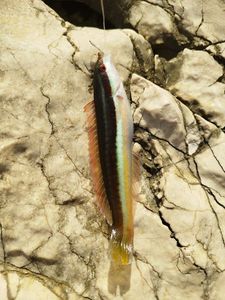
point(113, 166)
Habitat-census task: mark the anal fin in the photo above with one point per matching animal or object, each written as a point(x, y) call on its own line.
point(95, 165)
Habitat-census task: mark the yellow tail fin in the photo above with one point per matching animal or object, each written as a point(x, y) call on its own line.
point(121, 251)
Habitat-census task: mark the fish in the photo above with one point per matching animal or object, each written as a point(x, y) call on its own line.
point(114, 167)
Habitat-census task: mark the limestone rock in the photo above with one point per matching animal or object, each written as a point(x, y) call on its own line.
point(202, 18)
point(157, 110)
point(53, 240)
point(163, 116)
point(177, 23)
point(218, 50)
point(193, 76)
point(21, 284)
point(151, 21)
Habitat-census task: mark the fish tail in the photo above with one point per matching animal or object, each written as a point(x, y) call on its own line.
point(121, 249)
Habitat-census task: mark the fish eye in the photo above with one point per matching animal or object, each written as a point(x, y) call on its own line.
point(102, 68)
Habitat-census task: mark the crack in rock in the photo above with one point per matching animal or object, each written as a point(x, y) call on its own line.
point(173, 234)
point(47, 110)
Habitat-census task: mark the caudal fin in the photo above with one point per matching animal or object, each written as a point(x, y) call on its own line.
point(121, 250)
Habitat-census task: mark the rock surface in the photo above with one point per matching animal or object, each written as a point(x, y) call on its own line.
point(53, 241)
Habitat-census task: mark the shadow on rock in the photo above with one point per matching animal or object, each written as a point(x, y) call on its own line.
point(119, 278)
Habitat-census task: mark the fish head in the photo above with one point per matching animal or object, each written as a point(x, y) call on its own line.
point(107, 70)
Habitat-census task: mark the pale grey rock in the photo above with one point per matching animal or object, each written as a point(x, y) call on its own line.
point(212, 172)
point(200, 22)
point(151, 21)
point(206, 128)
point(53, 241)
point(193, 137)
point(202, 18)
point(217, 49)
point(16, 283)
point(143, 53)
point(193, 76)
point(163, 116)
point(195, 205)
point(190, 190)
point(157, 110)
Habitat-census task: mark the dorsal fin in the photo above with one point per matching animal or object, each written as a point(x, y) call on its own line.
point(96, 172)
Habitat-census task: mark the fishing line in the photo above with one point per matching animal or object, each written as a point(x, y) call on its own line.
point(103, 19)
point(103, 13)
point(103, 26)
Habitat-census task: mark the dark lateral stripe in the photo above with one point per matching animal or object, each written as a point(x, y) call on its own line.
point(106, 128)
